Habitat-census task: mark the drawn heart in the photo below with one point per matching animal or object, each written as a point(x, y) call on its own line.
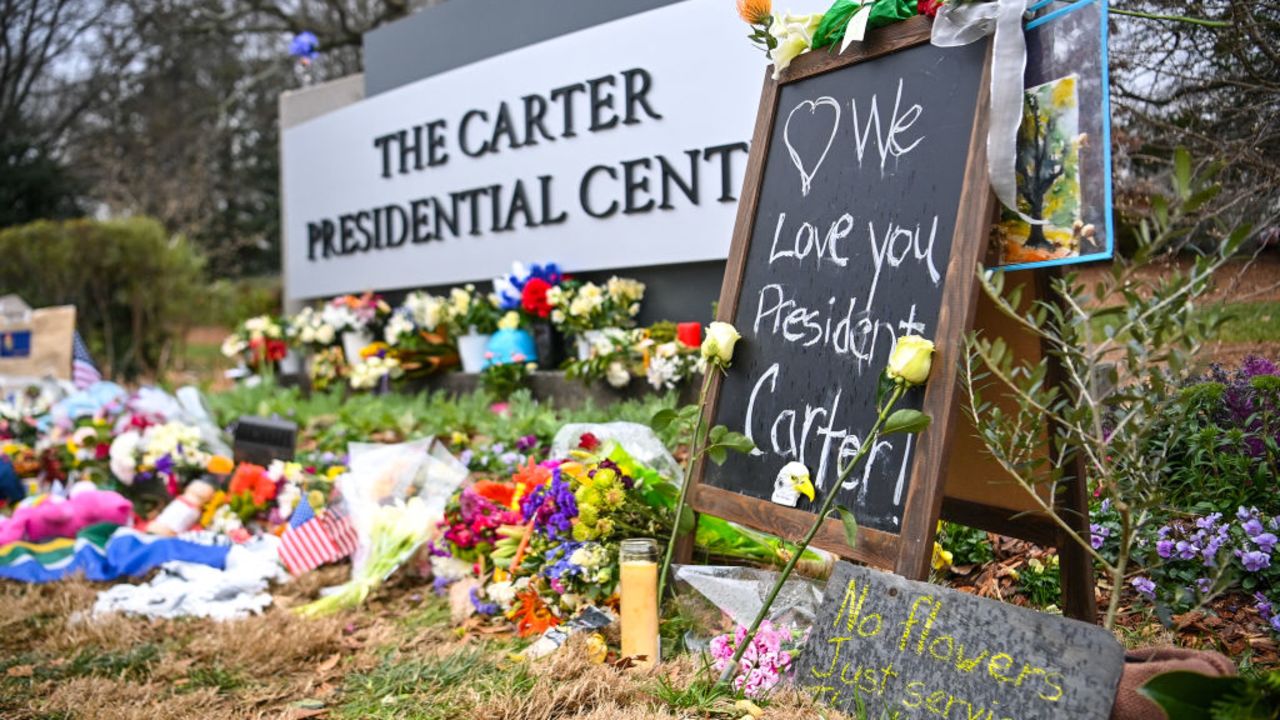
point(806, 176)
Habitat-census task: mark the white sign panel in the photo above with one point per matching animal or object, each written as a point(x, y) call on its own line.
point(621, 145)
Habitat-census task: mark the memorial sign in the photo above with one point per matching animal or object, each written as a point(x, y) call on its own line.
point(619, 145)
point(908, 649)
point(864, 214)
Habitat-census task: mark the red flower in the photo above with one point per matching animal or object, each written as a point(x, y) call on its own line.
point(689, 334)
point(252, 479)
point(534, 298)
point(102, 452)
point(588, 442)
point(928, 7)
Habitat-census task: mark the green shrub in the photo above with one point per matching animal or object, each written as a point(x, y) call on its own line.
point(134, 286)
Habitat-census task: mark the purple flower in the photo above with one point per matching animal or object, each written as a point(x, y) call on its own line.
point(1254, 366)
point(1164, 548)
point(1275, 623)
point(1098, 534)
point(1255, 560)
point(1144, 586)
point(1186, 550)
point(1204, 585)
point(552, 507)
point(527, 443)
point(1244, 514)
point(1263, 605)
point(482, 607)
point(1253, 527)
point(1266, 542)
point(304, 45)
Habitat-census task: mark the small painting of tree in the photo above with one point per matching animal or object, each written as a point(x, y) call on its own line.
point(1047, 164)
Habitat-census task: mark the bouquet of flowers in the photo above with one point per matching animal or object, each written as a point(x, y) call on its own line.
point(398, 530)
point(468, 311)
point(613, 355)
point(769, 658)
point(671, 358)
point(257, 340)
point(356, 313)
point(528, 288)
point(171, 452)
point(417, 337)
point(310, 329)
point(577, 307)
point(377, 368)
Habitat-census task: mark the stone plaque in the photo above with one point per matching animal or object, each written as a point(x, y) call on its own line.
point(913, 650)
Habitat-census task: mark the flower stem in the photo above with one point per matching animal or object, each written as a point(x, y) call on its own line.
point(732, 669)
point(694, 445)
point(1171, 18)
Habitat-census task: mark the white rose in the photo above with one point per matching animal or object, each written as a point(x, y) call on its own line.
point(718, 344)
point(617, 374)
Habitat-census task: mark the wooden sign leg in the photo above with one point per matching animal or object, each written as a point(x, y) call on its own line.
point(1075, 565)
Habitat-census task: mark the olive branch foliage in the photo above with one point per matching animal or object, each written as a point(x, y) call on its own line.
point(1122, 349)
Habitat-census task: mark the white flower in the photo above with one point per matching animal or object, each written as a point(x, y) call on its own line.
point(617, 374)
point(794, 34)
point(625, 291)
point(123, 460)
point(325, 334)
point(369, 373)
point(717, 346)
point(341, 317)
point(450, 568)
point(503, 593)
point(233, 346)
point(288, 499)
point(398, 325)
point(425, 310)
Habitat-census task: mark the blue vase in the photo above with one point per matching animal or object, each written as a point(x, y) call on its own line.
point(507, 346)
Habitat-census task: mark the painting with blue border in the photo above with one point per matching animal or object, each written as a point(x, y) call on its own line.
point(1063, 160)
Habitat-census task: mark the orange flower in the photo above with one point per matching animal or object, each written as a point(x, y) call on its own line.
point(532, 475)
point(532, 616)
point(498, 493)
point(220, 465)
point(250, 478)
point(755, 12)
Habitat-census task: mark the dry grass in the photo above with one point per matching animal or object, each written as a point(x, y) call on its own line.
point(397, 658)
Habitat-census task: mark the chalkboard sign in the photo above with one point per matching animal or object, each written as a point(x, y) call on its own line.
point(864, 213)
point(910, 649)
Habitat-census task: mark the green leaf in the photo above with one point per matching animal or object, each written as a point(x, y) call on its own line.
point(1187, 695)
point(662, 419)
point(687, 520)
point(717, 434)
point(905, 420)
point(1182, 169)
point(850, 525)
point(718, 454)
point(737, 442)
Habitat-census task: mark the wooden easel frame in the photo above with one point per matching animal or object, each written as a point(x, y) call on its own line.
point(909, 552)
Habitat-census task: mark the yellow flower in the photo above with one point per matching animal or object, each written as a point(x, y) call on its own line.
point(597, 650)
point(333, 472)
point(218, 500)
point(510, 321)
point(458, 438)
point(942, 557)
point(220, 465)
point(798, 475)
point(315, 499)
point(911, 360)
point(1036, 566)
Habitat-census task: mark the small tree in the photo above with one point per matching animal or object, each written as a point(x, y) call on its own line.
point(1147, 326)
point(1042, 158)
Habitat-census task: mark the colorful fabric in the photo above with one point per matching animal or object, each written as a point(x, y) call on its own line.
point(102, 552)
point(312, 541)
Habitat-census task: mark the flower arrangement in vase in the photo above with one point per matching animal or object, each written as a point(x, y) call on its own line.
point(472, 317)
point(585, 309)
point(528, 289)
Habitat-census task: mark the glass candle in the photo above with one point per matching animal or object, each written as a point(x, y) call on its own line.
point(638, 590)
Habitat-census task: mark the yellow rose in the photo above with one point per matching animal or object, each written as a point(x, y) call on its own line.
point(941, 557)
point(717, 346)
point(911, 360)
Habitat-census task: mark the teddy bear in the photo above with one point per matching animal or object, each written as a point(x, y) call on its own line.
point(55, 518)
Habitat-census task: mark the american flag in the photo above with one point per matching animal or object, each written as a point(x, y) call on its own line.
point(83, 372)
point(312, 541)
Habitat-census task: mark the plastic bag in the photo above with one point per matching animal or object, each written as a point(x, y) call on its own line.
point(739, 593)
